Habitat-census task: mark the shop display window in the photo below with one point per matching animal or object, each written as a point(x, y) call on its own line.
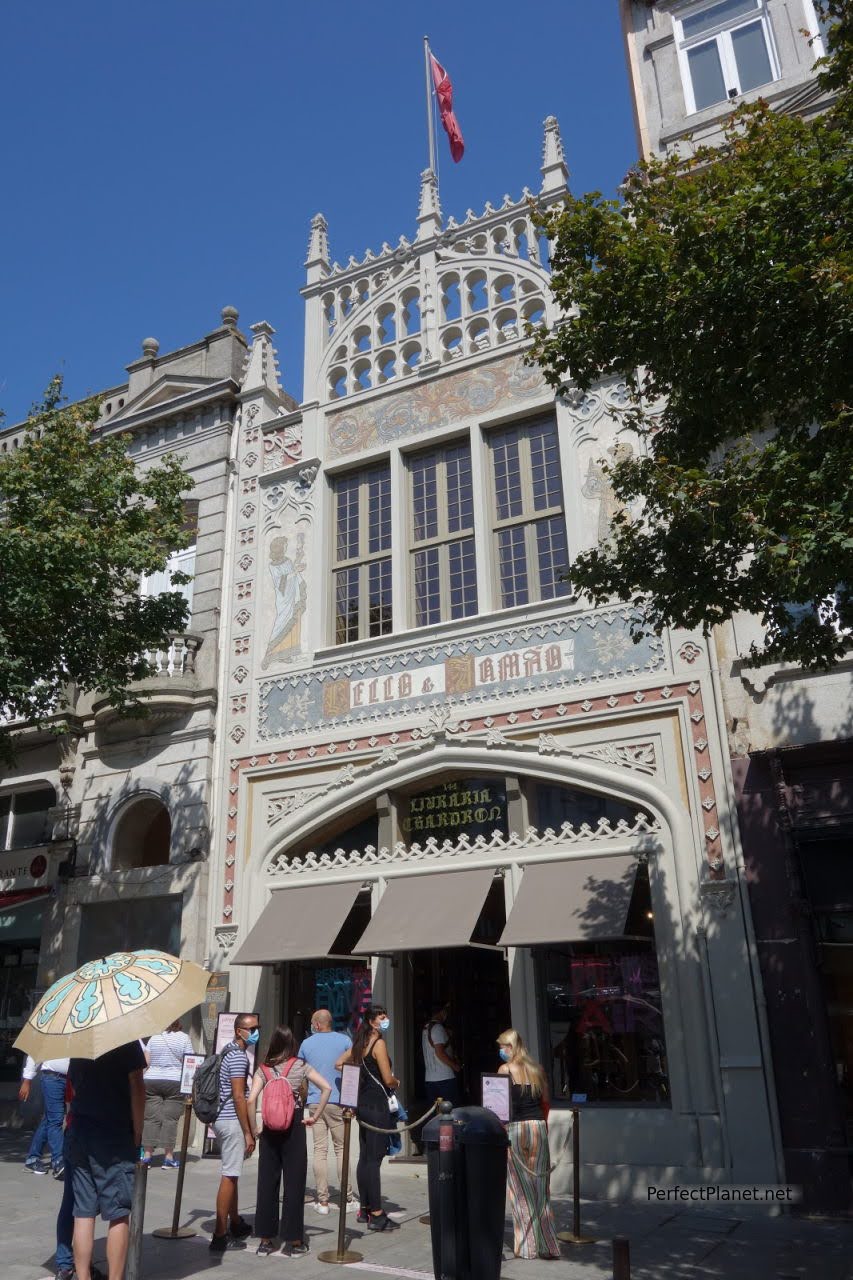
point(603, 1026)
point(18, 969)
point(129, 925)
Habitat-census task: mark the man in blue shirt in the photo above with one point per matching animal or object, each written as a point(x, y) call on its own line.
point(321, 1051)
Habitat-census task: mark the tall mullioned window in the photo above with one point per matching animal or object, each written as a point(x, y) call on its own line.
point(362, 576)
point(443, 570)
point(530, 552)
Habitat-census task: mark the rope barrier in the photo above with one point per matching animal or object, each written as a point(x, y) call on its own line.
point(403, 1128)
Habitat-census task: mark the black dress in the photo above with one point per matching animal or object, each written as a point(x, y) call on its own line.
point(372, 1147)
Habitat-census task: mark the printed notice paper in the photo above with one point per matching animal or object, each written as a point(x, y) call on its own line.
point(496, 1096)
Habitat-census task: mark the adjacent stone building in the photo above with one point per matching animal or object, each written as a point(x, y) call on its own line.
point(106, 830)
point(789, 733)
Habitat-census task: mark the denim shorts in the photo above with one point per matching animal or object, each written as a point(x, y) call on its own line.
point(101, 1167)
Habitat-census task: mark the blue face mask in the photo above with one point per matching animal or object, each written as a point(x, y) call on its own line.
point(384, 1024)
point(253, 1037)
point(504, 1053)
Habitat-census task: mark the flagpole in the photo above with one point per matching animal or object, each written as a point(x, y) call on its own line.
point(430, 131)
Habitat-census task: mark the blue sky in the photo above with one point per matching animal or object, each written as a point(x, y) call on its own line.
point(161, 160)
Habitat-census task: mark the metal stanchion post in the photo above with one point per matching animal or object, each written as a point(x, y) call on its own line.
point(137, 1217)
point(342, 1254)
point(175, 1232)
point(574, 1236)
point(447, 1192)
point(621, 1258)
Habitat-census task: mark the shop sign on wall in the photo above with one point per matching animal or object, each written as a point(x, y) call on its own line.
point(472, 807)
point(22, 869)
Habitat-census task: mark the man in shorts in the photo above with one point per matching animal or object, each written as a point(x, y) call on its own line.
point(101, 1146)
point(235, 1133)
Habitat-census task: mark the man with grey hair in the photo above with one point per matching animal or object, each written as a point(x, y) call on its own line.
point(321, 1050)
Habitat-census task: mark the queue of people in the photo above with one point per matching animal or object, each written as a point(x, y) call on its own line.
point(114, 1107)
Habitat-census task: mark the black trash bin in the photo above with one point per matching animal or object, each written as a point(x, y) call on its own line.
point(467, 1194)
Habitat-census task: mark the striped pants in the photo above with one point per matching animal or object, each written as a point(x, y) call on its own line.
point(529, 1178)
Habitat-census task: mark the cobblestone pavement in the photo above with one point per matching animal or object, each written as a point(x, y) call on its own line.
point(666, 1243)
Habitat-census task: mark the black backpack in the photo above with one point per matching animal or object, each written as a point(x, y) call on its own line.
point(206, 1101)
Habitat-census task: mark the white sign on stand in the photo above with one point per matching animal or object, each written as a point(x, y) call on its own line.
point(350, 1078)
point(496, 1096)
point(189, 1066)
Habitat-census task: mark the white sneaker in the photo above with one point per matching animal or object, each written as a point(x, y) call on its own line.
point(321, 1208)
point(351, 1206)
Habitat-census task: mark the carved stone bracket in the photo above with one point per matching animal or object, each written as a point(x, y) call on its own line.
point(718, 895)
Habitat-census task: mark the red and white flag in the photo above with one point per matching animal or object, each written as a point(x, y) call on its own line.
point(444, 94)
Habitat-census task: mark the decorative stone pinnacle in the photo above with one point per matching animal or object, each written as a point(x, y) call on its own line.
point(261, 371)
point(150, 347)
point(230, 316)
point(318, 242)
point(555, 172)
point(429, 210)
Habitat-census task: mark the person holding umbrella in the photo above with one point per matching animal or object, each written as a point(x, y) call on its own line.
point(96, 1016)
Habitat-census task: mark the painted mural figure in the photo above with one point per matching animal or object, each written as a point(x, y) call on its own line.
point(599, 485)
point(290, 597)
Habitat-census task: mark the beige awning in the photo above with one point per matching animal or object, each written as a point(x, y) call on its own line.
point(419, 912)
point(298, 924)
point(578, 900)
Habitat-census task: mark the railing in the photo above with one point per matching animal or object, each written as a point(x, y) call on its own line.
point(176, 657)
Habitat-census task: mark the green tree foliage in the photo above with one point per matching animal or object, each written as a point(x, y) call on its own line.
point(721, 289)
point(78, 526)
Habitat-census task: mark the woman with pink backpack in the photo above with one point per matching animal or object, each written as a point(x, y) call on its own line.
point(282, 1148)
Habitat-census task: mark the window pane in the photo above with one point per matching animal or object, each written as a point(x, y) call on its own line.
point(5, 804)
point(379, 597)
point(553, 558)
point(505, 452)
point(545, 466)
point(29, 817)
point(706, 75)
point(716, 15)
point(346, 605)
point(604, 1034)
point(460, 497)
point(512, 566)
point(463, 578)
point(427, 587)
point(379, 509)
point(751, 56)
point(424, 496)
point(347, 518)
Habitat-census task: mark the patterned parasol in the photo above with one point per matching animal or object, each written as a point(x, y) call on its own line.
point(111, 1001)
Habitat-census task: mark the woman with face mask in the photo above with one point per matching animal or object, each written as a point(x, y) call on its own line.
point(529, 1159)
point(370, 1053)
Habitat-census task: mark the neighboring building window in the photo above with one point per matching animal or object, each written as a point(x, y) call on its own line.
point(24, 818)
point(725, 49)
point(183, 561)
point(443, 561)
point(529, 527)
point(154, 584)
point(818, 23)
point(362, 576)
point(143, 835)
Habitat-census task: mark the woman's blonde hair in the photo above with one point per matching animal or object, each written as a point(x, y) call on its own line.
point(531, 1071)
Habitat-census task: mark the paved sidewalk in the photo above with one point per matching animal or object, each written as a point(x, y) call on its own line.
point(666, 1244)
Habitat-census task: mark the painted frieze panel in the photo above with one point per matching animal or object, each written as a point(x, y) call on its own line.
point(561, 653)
point(437, 403)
